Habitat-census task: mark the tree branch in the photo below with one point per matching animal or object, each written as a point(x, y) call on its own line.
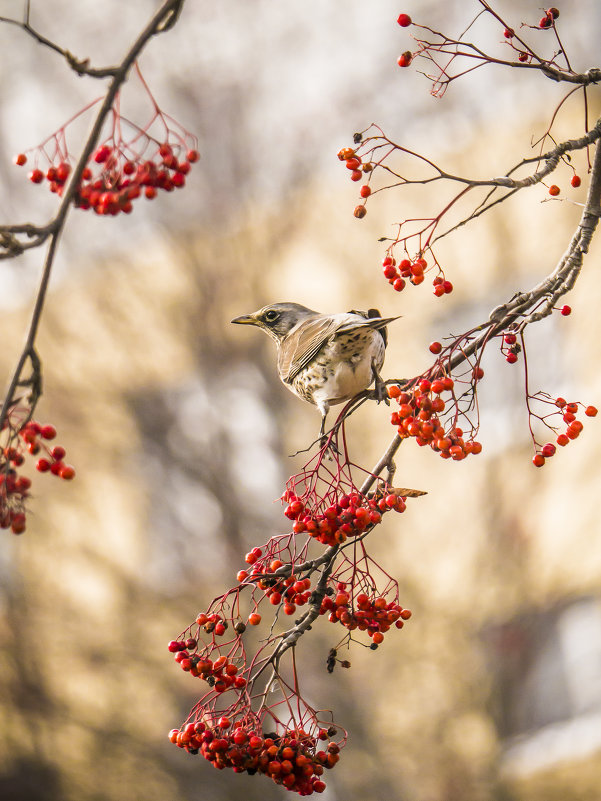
point(162, 20)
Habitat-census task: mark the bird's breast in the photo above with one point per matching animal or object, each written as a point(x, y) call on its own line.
point(342, 368)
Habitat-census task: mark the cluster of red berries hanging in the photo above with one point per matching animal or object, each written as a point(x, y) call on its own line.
point(220, 673)
point(510, 347)
point(14, 488)
point(114, 178)
point(133, 161)
point(291, 591)
point(351, 515)
point(418, 417)
point(290, 759)
point(359, 170)
point(572, 431)
point(413, 272)
point(375, 614)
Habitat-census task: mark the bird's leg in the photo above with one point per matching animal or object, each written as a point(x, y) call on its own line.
point(379, 394)
point(324, 440)
point(322, 427)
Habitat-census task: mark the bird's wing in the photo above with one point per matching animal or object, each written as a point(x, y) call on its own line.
point(375, 323)
point(303, 343)
point(307, 338)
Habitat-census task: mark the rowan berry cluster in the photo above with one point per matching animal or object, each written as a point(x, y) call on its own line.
point(115, 176)
point(351, 515)
point(574, 427)
point(291, 591)
point(133, 161)
point(397, 275)
point(374, 614)
point(359, 170)
point(510, 347)
point(32, 438)
point(290, 759)
point(418, 417)
point(220, 673)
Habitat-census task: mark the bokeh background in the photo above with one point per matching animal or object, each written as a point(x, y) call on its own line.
point(180, 430)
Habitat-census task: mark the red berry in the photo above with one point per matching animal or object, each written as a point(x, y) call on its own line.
point(150, 192)
point(43, 465)
point(18, 523)
point(563, 440)
point(591, 411)
point(435, 348)
point(20, 159)
point(48, 432)
point(545, 22)
point(566, 310)
point(178, 179)
point(511, 358)
point(58, 452)
point(548, 450)
point(554, 190)
point(538, 460)
point(404, 59)
point(353, 163)
point(356, 175)
point(510, 339)
point(36, 176)
point(192, 156)
point(365, 191)
point(575, 181)
point(509, 33)
point(254, 619)
point(102, 154)
point(62, 172)
point(523, 57)
point(165, 150)
point(67, 472)
point(404, 20)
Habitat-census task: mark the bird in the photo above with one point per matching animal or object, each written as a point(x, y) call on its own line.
point(325, 359)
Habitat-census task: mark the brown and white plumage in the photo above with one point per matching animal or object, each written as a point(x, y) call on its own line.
point(324, 358)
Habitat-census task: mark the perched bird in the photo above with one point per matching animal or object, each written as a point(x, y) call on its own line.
point(325, 358)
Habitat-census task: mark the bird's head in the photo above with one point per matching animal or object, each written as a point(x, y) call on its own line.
point(276, 320)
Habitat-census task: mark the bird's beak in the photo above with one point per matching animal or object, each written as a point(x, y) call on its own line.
point(245, 319)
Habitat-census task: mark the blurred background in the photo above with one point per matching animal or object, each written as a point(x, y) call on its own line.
point(180, 430)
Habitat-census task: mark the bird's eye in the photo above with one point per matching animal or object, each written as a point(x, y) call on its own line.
point(271, 316)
